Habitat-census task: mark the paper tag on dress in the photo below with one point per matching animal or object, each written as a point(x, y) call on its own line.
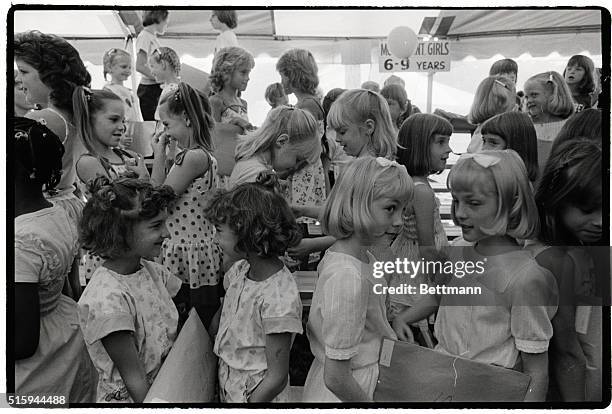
point(583, 314)
point(314, 229)
point(386, 352)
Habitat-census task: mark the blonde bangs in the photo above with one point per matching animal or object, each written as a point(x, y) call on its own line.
point(394, 183)
point(338, 116)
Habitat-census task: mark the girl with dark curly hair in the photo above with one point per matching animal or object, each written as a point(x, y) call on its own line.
point(126, 312)
point(50, 354)
point(262, 310)
point(50, 69)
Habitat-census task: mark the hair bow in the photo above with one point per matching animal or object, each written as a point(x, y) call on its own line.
point(503, 85)
point(484, 160)
point(384, 162)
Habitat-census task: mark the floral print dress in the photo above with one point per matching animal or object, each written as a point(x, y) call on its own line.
point(141, 303)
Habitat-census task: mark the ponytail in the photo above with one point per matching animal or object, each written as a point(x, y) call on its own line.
point(182, 97)
point(86, 103)
point(81, 98)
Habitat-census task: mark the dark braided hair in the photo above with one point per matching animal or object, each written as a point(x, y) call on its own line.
point(38, 152)
point(114, 207)
point(258, 215)
point(58, 64)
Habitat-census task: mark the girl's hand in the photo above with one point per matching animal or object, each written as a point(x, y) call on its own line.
point(159, 144)
point(126, 141)
point(139, 168)
point(245, 125)
point(402, 330)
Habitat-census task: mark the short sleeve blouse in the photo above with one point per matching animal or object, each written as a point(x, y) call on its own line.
point(141, 303)
point(252, 310)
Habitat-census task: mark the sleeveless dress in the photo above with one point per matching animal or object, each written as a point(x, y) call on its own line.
point(406, 245)
point(229, 112)
point(63, 194)
point(308, 184)
point(191, 253)
point(45, 246)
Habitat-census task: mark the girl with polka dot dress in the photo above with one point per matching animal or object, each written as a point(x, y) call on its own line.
point(191, 252)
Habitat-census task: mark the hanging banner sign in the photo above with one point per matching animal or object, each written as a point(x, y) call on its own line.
point(429, 56)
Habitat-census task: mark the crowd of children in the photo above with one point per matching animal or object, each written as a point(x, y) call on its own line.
point(527, 197)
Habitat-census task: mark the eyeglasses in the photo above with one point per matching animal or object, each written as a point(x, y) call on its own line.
point(484, 160)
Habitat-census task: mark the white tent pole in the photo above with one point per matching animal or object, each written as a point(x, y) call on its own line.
point(130, 33)
point(430, 76)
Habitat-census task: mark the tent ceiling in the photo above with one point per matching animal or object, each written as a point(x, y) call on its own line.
point(473, 22)
point(76, 23)
point(334, 34)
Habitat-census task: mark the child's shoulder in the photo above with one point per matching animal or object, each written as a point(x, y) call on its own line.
point(340, 264)
point(51, 119)
point(216, 99)
point(238, 269)
point(103, 283)
point(193, 157)
point(423, 189)
point(523, 273)
point(313, 106)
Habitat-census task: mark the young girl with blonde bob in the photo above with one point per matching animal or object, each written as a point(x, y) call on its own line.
point(494, 95)
point(347, 319)
point(515, 131)
point(191, 252)
point(509, 322)
point(229, 77)
point(262, 310)
point(126, 311)
point(549, 104)
point(288, 137)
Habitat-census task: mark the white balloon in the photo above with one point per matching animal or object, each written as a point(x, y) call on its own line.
point(402, 42)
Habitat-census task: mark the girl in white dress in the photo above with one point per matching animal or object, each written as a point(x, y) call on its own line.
point(348, 320)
